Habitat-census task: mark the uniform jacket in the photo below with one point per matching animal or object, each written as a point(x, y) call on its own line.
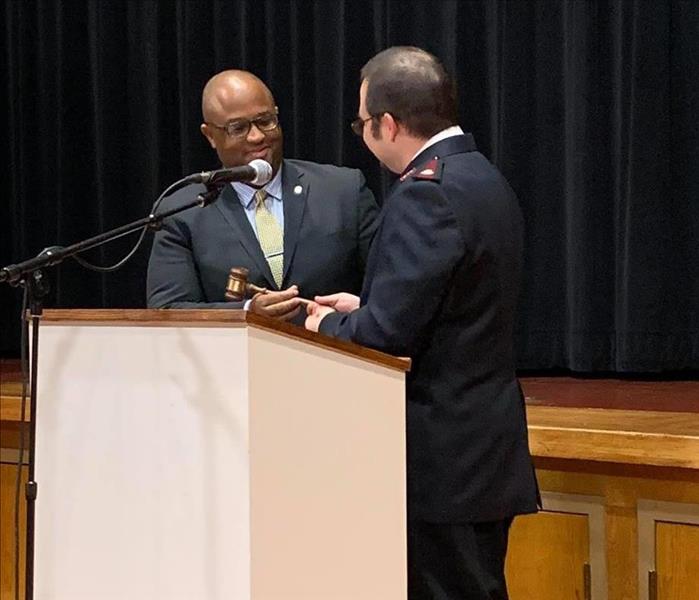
point(441, 287)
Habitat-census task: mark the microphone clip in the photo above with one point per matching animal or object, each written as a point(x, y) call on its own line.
point(213, 191)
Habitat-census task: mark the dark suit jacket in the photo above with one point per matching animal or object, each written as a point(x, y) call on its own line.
point(328, 229)
point(441, 286)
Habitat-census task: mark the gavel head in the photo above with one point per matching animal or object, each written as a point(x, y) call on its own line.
point(236, 288)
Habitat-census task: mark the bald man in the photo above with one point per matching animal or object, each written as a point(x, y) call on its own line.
point(305, 233)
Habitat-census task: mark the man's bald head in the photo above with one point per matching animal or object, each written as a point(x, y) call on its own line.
point(226, 88)
point(239, 97)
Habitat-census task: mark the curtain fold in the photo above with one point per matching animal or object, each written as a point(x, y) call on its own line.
point(589, 108)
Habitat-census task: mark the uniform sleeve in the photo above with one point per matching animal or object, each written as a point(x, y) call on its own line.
point(418, 250)
point(173, 281)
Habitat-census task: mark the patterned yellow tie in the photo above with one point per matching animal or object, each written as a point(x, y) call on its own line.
point(271, 237)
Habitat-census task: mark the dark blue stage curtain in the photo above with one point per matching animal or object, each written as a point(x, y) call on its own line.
point(590, 108)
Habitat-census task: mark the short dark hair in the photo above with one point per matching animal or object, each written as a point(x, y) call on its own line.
point(413, 86)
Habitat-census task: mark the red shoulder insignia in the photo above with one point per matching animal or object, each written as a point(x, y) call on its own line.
point(430, 171)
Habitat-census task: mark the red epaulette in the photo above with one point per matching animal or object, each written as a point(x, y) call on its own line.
point(430, 171)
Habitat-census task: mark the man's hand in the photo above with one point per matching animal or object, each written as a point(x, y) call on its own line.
point(282, 305)
point(341, 302)
point(316, 312)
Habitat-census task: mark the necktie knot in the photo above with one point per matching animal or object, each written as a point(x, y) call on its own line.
point(260, 196)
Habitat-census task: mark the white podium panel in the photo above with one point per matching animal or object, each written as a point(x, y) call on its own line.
point(215, 462)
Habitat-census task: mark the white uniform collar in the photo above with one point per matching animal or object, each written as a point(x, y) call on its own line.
point(452, 131)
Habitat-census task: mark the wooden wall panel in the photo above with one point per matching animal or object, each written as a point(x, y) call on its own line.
point(8, 474)
point(677, 561)
point(546, 557)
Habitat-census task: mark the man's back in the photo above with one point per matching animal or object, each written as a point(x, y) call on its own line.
point(463, 397)
point(441, 286)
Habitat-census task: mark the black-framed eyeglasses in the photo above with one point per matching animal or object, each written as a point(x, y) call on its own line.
point(240, 128)
point(358, 125)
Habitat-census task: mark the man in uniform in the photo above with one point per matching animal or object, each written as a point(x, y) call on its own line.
point(441, 287)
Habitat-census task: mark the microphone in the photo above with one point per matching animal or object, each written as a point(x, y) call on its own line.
point(256, 172)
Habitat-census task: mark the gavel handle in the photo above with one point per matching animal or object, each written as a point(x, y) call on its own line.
point(253, 289)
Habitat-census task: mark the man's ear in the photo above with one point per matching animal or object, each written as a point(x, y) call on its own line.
point(208, 134)
point(392, 126)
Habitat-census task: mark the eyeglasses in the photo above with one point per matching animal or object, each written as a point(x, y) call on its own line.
point(240, 128)
point(358, 125)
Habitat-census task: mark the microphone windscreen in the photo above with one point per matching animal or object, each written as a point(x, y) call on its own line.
point(263, 171)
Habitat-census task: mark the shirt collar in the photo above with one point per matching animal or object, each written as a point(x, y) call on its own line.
point(246, 193)
point(452, 131)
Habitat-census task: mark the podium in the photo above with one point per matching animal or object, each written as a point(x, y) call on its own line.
point(215, 455)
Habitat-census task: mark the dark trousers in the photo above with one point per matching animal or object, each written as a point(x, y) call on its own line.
point(464, 561)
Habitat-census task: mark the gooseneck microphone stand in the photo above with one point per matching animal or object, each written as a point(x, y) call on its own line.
point(29, 274)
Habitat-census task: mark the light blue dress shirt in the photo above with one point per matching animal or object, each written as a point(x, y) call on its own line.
point(273, 202)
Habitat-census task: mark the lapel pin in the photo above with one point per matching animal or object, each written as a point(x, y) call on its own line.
point(298, 189)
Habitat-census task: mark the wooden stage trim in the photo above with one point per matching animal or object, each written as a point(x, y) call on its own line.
point(662, 439)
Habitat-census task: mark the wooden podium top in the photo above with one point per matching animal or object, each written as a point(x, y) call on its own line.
point(217, 318)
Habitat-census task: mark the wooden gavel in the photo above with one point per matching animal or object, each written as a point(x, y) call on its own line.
point(238, 286)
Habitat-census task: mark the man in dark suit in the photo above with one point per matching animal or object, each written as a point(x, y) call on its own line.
point(441, 287)
point(307, 232)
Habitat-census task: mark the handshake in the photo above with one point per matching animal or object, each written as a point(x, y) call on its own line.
point(286, 304)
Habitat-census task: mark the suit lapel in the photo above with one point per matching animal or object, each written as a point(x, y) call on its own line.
point(294, 194)
point(234, 214)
